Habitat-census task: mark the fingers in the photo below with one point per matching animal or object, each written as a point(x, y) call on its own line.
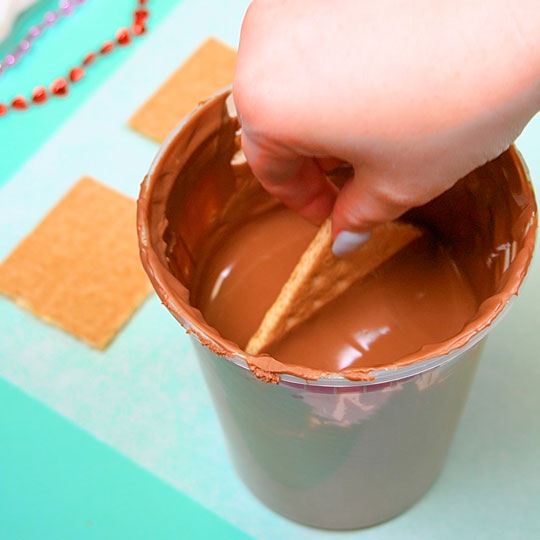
point(358, 208)
point(299, 182)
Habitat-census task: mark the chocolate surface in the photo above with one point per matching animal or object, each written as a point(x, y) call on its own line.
point(194, 200)
point(417, 297)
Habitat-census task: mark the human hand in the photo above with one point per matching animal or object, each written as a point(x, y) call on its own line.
point(413, 94)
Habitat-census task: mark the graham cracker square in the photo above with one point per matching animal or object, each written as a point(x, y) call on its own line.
point(79, 269)
point(207, 70)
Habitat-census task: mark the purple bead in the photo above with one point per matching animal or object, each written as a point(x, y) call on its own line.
point(10, 59)
point(66, 7)
point(25, 45)
point(33, 33)
point(50, 17)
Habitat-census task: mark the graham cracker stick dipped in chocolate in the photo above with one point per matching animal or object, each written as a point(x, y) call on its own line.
point(320, 276)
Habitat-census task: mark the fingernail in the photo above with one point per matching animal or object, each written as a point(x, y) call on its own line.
point(347, 241)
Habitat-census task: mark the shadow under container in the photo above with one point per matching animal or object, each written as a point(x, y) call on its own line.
point(331, 453)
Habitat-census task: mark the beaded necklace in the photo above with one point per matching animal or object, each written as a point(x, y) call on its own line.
point(60, 87)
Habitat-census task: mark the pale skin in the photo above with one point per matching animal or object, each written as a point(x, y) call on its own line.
point(414, 94)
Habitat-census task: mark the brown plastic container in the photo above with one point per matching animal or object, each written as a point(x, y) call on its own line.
point(331, 453)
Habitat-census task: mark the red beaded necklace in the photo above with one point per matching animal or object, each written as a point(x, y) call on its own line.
point(60, 86)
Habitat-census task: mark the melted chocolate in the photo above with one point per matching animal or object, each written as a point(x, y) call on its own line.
point(416, 298)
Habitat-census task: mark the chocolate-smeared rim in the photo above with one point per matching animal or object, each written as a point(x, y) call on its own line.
point(175, 296)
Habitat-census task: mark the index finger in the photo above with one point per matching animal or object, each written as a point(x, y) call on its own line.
point(298, 181)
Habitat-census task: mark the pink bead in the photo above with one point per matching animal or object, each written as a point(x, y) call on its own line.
point(33, 33)
point(25, 45)
point(50, 17)
point(66, 7)
point(10, 59)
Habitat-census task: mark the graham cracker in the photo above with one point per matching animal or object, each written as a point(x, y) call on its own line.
point(320, 276)
point(79, 269)
point(209, 69)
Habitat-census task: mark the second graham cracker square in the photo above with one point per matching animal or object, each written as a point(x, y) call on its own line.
point(79, 268)
point(207, 70)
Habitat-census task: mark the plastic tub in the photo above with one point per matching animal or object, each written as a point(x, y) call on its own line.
point(331, 453)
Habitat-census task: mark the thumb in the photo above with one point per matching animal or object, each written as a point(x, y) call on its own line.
point(360, 206)
point(298, 181)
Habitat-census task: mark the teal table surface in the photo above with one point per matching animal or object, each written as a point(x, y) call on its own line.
point(56, 481)
point(124, 443)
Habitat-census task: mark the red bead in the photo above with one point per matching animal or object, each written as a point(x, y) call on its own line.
point(137, 29)
point(59, 87)
point(76, 74)
point(89, 58)
point(140, 15)
point(19, 102)
point(122, 36)
point(142, 1)
point(39, 95)
point(3, 109)
point(106, 47)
